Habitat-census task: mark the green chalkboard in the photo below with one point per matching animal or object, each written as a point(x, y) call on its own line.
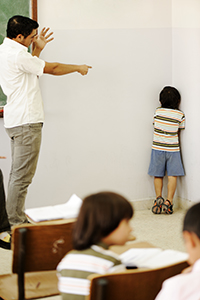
point(9, 8)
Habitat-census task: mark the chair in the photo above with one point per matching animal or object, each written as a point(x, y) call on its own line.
point(139, 284)
point(36, 247)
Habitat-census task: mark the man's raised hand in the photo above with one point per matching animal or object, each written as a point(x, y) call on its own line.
point(43, 38)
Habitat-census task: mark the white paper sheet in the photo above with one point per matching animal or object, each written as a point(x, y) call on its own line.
point(68, 210)
point(152, 257)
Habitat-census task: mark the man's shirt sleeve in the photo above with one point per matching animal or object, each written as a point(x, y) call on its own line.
point(30, 64)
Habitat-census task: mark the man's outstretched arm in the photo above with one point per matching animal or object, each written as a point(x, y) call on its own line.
point(63, 69)
point(55, 68)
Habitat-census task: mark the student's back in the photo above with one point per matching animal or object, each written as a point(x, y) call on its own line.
point(103, 221)
point(77, 265)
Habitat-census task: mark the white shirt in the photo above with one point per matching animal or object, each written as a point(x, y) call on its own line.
point(182, 286)
point(19, 72)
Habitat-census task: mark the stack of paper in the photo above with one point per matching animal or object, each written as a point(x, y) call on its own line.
point(152, 257)
point(68, 210)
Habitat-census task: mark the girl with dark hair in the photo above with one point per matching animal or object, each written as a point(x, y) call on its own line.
point(103, 221)
point(165, 155)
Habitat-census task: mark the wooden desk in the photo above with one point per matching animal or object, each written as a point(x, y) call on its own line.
point(43, 284)
point(136, 284)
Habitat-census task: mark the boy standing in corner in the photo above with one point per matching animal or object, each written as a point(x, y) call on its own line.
point(165, 155)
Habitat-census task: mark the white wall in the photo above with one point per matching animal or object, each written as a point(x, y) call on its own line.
point(186, 77)
point(98, 129)
point(105, 14)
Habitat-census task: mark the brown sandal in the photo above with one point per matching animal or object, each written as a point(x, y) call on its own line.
point(168, 208)
point(157, 207)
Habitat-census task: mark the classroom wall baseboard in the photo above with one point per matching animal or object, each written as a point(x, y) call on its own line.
point(179, 203)
point(184, 203)
point(142, 204)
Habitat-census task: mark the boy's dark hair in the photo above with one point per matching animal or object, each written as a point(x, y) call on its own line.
point(170, 97)
point(100, 214)
point(20, 25)
point(191, 221)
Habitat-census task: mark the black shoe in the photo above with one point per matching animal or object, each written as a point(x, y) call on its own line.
point(5, 245)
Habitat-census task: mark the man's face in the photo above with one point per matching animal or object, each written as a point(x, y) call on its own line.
point(28, 40)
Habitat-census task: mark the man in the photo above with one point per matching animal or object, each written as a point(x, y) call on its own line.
point(23, 113)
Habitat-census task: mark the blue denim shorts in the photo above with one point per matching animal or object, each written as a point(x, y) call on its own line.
point(162, 161)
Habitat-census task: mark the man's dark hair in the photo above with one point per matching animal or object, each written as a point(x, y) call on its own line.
point(20, 25)
point(100, 214)
point(192, 220)
point(170, 97)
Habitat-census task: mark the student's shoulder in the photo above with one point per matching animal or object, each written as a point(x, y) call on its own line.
point(178, 282)
point(170, 112)
point(106, 254)
point(171, 288)
point(96, 251)
point(183, 114)
point(158, 109)
point(180, 111)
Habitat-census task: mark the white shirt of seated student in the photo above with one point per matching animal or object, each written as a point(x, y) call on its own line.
point(182, 286)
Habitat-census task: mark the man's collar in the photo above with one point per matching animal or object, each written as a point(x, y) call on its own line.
point(13, 43)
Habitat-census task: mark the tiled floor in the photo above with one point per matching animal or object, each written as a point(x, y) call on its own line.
point(164, 231)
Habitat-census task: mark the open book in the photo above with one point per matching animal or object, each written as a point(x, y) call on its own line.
point(68, 210)
point(152, 257)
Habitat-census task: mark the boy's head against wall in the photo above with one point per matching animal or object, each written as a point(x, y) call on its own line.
point(191, 232)
point(170, 97)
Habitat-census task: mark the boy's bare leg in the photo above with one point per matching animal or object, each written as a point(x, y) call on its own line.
point(158, 185)
point(171, 188)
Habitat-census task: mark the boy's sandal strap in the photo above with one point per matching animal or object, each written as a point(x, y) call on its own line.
point(159, 200)
point(157, 207)
point(169, 203)
point(168, 208)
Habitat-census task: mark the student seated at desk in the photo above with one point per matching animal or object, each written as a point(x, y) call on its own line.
point(103, 221)
point(186, 286)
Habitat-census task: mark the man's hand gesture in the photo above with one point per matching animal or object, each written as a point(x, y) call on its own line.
point(41, 40)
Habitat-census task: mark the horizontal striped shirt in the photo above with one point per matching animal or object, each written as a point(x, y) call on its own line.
point(76, 266)
point(167, 123)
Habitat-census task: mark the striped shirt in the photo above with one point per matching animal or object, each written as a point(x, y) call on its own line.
point(167, 123)
point(76, 266)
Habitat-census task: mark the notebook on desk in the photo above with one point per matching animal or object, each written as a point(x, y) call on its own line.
point(152, 257)
point(68, 210)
